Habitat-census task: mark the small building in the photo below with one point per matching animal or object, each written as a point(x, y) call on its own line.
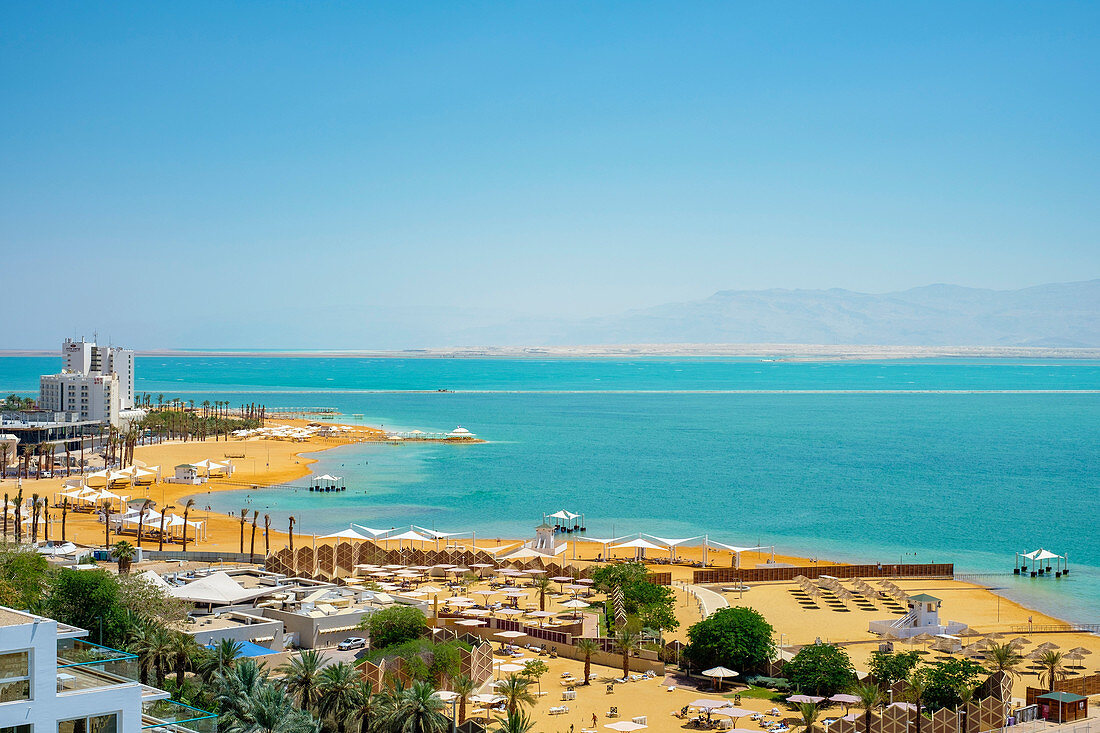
point(460, 433)
point(923, 618)
point(1062, 707)
point(186, 473)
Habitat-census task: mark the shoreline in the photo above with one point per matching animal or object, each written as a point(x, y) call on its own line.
point(777, 351)
point(289, 461)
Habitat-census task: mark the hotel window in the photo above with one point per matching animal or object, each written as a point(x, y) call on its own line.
point(26, 728)
point(15, 676)
point(91, 724)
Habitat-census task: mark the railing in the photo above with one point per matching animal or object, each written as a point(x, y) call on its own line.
point(162, 716)
point(1054, 628)
point(82, 665)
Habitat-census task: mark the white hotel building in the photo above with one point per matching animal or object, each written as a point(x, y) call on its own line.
point(95, 382)
point(51, 681)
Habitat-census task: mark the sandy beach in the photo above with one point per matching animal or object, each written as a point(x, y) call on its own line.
point(260, 462)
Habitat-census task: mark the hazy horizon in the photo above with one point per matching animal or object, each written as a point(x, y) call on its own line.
point(397, 176)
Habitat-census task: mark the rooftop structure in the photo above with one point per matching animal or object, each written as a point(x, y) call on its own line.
point(53, 680)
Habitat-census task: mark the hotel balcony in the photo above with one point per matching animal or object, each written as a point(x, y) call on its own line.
point(82, 665)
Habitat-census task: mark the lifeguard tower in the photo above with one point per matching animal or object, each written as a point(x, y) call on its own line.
point(923, 617)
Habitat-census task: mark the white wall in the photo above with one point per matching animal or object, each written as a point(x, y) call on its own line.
point(46, 707)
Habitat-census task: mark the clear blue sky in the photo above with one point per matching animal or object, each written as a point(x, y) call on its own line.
point(171, 161)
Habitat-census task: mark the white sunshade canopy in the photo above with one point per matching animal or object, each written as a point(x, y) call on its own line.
point(625, 726)
point(673, 542)
point(563, 515)
point(719, 672)
point(436, 535)
point(735, 548)
point(346, 534)
point(575, 604)
point(525, 553)
point(1042, 554)
point(639, 544)
point(509, 634)
point(372, 532)
point(216, 588)
point(410, 535)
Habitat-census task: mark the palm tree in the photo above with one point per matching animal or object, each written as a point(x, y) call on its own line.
point(64, 514)
point(292, 560)
point(107, 525)
point(183, 646)
point(336, 687)
point(542, 584)
point(186, 510)
point(1003, 658)
point(1053, 668)
point(267, 534)
point(915, 687)
point(516, 691)
point(809, 713)
point(252, 544)
point(124, 553)
point(870, 697)
point(418, 710)
point(244, 521)
point(162, 654)
point(627, 640)
point(269, 710)
point(139, 642)
point(145, 506)
point(517, 722)
point(300, 677)
point(368, 708)
point(463, 687)
point(219, 659)
point(163, 514)
point(587, 647)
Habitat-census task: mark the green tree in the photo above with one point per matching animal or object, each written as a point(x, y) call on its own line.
point(219, 659)
point(542, 584)
point(889, 667)
point(270, 709)
point(1053, 668)
point(464, 687)
point(394, 625)
point(587, 647)
point(739, 638)
point(823, 669)
point(516, 722)
point(417, 710)
point(534, 669)
point(22, 576)
point(809, 713)
point(369, 708)
point(184, 649)
point(337, 688)
point(654, 605)
point(870, 697)
point(300, 677)
point(1003, 658)
point(916, 687)
point(946, 678)
point(516, 691)
point(124, 553)
point(627, 641)
point(87, 598)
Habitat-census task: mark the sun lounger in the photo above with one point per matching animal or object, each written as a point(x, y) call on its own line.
point(559, 710)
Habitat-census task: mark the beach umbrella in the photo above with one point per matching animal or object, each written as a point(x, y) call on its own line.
point(470, 622)
point(844, 699)
point(719, 674)
point(1019, 641)
point(708, 704)
point(510, 612)
point(1080, 650)
point(732, 712)
point(813, 699)
point(625, 726)
point(506, 667)
point(561, 579)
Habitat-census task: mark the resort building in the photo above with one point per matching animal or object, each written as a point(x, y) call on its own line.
point(53, 680)
point(95, 383)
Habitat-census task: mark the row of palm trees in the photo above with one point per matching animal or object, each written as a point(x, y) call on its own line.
point(306, 695)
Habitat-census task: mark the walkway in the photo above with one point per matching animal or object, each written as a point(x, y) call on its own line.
point(709, 601)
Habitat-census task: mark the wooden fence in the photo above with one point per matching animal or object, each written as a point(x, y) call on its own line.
point(759, 575)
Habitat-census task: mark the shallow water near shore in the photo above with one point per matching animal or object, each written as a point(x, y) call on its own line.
point(964, 461)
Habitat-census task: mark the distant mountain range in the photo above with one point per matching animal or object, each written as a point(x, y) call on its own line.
point(1054, 315)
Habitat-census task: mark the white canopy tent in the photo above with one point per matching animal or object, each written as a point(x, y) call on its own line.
point(738, 550)
point(672, 544)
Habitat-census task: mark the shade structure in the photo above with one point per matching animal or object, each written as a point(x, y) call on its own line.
point(410, 536)
point(506, 667)
point(509, 634)
point(812, 699)
point(625, 726)
point(733, 712)
point(575, 604)
point(638, 544)
point(708, 704)
point(718, 674)
point(470, 622)
point(845, 699)
point(347, 534)
point(445, 695)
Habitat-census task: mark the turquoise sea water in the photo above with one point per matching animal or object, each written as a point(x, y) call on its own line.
point(963, 461)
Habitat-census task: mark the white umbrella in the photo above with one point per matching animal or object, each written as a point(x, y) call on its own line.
point(625, 726)
point(509, 634)
point(719, 674)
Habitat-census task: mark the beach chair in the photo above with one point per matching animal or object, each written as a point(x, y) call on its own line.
point(611, 689)
point(613, 712)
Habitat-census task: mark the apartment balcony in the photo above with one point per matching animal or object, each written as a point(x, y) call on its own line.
point(169, 716)
point(82, 665)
